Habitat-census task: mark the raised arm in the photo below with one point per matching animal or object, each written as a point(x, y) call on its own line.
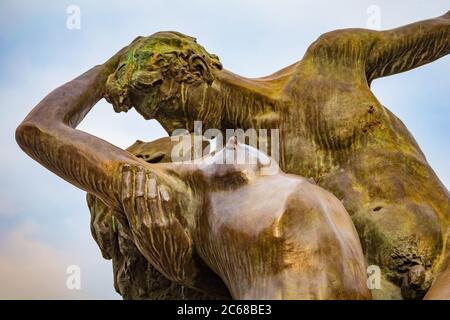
point(153, 201)
point(378, 54)
point(408, 47)
point(49, 136)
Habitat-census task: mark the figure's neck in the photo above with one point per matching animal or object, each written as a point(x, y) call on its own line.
point(233, 102)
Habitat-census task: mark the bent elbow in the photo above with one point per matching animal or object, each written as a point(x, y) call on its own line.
point(27, 135)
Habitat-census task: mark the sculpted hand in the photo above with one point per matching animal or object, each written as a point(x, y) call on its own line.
point(150, 207)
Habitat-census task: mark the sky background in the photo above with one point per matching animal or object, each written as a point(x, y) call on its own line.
point(44, 221)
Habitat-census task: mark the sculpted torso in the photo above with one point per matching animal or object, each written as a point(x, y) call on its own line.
point(332, 129)
point(339, 134)
point(290, 238)
point(271, 236)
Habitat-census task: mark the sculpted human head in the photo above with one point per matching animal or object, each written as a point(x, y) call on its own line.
point(156, 73)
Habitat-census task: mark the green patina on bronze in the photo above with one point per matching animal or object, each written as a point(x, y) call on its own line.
point(332, 129)
point(336, 131)
point(164, 55)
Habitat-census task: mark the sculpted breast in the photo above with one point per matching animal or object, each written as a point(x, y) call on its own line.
point(252, 208)
point(291, 231)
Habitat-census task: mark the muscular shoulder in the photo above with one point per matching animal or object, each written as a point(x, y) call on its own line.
point(348, 45)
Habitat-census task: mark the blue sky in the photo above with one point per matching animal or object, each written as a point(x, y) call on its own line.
point(44, 222)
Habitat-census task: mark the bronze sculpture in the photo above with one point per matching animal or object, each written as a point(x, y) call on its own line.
point(332, 129)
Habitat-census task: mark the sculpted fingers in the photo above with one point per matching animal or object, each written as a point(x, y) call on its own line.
point(128, 192)
point(151, 186)
point(140, 195)
point(140, 182)
point(162, 215)
point(126, 179)
point(134, 194)
point(145, 201)
point(178, 245)
point(164, 193)
point(153, 217)
point(150, 207)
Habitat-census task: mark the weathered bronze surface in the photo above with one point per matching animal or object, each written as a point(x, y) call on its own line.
point(333, 130)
